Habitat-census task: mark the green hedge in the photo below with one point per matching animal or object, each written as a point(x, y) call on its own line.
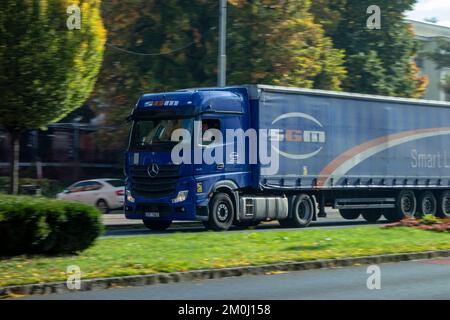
point(39, 225)
point(49, 188)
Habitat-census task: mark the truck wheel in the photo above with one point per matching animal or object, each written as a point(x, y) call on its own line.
point(444, 205)
point(372, 215)
point(428, 203)
point(302, 213)
point(349, 214)
point(157, 225)
point(221, 212)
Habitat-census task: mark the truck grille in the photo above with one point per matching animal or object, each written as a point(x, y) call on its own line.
point(162, 184)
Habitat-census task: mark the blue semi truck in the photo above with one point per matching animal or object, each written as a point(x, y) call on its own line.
point(245, 154)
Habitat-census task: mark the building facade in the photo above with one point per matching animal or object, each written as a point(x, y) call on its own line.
point(430, 34)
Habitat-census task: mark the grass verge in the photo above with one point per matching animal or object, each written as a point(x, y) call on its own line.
point(182, 251)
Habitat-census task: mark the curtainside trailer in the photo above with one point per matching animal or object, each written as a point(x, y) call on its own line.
point(246, 154)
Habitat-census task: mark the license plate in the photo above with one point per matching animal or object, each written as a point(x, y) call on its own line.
point(152, 214)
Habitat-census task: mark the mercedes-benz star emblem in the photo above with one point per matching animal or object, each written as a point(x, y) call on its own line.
point(153, 170)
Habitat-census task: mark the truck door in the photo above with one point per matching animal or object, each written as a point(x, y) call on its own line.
point(228, 161)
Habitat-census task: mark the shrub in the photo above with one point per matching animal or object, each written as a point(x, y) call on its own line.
point(40, 225)
point(429, 219)
point(49, 188)
point(427, 222)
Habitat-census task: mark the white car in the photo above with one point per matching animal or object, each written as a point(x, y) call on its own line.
point(105, 194)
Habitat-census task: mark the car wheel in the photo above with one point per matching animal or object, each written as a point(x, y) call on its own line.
point(372, 215)
point(157, 225)
point(102, 206)
point(221, 212)
point(349, 214)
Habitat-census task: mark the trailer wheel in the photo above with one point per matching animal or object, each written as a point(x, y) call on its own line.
point(428, 203)
point(157, 225)
point(349, 214)
point(302, 213)
point(406, 205)
point(221, 212)
point(444, 205)
point(372, 215)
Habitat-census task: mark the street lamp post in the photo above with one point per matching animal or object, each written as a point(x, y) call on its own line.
point(222, 75)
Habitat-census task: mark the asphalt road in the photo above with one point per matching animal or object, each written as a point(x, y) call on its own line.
point(333, 220)
point(406, 280)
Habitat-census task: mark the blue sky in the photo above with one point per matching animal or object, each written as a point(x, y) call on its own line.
point(439, 9)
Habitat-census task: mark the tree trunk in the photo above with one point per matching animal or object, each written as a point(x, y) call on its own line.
point(14, 162)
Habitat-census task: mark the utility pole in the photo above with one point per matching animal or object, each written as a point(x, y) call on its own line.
point(222, 75)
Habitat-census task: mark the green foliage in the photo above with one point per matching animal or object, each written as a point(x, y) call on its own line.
point(177, 252)
point(429, 219)
point(46, 70)
point(49, 188)
point(39, 225)
point(441, 56)
point(268, 41)
point(378, 61)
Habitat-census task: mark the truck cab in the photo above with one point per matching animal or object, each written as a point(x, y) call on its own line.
point(160, 190)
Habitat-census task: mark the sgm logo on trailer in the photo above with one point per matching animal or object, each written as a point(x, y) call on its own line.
point(310, 138)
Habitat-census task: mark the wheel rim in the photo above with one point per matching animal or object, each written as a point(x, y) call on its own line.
point(302, 210)
point(446, 205)
point(428, 205)
point(407, 203)
point(223, 212)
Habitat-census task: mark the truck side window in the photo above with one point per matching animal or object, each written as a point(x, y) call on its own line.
point(209, 124)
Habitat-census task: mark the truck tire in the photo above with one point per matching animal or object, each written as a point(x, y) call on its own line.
point(157, 225)
point(349, 214)
point(444, 205)
point(406, 205)
point(372, 215)
point(428, 203)
point(221, 212)
point(302, 213)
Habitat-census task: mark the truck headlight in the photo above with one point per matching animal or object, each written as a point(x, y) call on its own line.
point(130, 198)
point(181, 196)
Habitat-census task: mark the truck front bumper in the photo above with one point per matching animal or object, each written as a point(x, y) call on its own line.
point(164, 208)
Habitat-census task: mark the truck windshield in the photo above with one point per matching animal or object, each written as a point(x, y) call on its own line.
point(148, 134)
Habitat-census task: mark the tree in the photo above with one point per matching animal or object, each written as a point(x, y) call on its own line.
point(46, 70)
point(379, 61)
point(441, 56)
point(278, 42)
point(269, 41)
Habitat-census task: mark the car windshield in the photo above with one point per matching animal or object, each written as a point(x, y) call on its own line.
point(116, 183)
point(156, 132)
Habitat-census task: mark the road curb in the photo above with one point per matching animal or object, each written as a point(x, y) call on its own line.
point(159, 278)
